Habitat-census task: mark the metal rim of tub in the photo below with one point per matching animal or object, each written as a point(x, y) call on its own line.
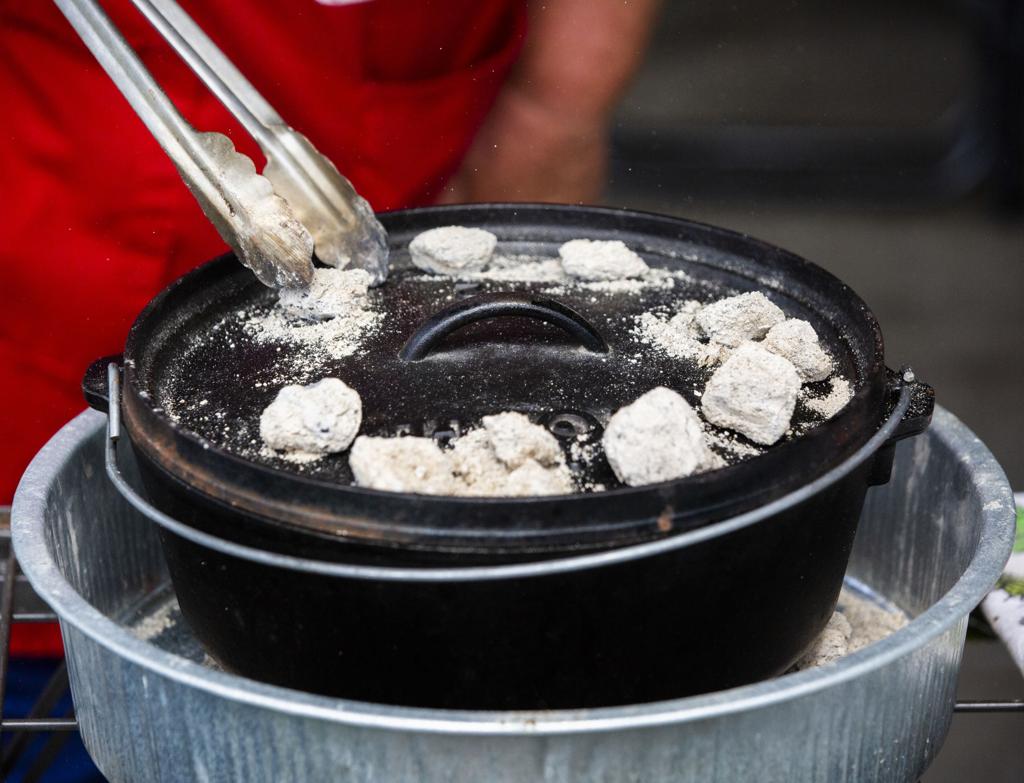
point(993, 548)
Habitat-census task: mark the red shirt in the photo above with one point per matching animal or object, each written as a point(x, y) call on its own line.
point(95, 218)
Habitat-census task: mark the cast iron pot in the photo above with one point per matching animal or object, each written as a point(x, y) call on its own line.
point(623, 596)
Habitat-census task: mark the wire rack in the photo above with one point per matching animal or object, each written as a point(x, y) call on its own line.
point(20, 604)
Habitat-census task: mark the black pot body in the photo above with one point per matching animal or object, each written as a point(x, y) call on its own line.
point(718, 613)
point(709, 607)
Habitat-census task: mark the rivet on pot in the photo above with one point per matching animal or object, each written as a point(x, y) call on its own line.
point(570, 424)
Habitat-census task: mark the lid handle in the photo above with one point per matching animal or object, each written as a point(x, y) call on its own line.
point(477, 308)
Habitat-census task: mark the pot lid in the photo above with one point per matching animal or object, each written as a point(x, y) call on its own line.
point(431, 356)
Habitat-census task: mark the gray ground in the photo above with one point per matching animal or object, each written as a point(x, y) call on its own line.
point(945, 279)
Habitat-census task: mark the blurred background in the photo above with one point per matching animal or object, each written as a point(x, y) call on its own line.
point(881, 141)
point(874, 140)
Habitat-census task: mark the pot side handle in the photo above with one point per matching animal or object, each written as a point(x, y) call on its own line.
point(477, 308)
point(94, 382)
point(914, 421)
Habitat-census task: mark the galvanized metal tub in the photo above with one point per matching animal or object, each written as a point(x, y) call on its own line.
point(157, 712)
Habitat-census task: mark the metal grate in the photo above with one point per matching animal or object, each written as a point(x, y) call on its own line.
point(20, 604)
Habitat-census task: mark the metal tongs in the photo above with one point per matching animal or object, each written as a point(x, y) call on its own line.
point(272, 221)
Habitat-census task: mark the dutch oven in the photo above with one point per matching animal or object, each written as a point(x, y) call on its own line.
point(292, 575)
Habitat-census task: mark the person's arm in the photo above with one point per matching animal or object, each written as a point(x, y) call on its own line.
point(546, 139)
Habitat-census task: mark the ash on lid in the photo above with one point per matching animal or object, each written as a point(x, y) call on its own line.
point(332, 318)
point(339, 317)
